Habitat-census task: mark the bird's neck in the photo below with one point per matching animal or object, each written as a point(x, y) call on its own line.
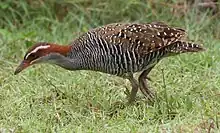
point(60, 55)
point(62, 61)
point(61, 49)
point(68, 57)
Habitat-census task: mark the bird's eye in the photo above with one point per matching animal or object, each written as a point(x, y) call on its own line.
point(33, 56)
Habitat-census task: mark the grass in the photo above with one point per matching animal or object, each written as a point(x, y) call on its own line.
point(46, 98)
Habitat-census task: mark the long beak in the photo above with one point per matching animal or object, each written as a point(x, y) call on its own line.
point(24, 64)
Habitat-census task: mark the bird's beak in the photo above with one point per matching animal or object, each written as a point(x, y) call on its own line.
point(24, 64)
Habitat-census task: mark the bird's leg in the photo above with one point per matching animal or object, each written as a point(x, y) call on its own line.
point(143, 84)
point(134, 89)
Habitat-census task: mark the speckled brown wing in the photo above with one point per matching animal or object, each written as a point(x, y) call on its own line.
point(141, 38)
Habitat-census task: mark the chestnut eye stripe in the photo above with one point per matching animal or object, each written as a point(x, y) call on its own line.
point(36, 49)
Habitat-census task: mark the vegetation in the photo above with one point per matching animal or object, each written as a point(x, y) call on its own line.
point(46, 98)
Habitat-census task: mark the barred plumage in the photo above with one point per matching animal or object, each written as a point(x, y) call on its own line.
point(122, 50)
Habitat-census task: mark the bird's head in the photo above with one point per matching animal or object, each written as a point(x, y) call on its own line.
point(42, 52)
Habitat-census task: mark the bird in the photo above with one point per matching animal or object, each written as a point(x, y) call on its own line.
point(121, 49)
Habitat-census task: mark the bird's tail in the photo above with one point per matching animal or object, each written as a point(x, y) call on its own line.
point(183, 47)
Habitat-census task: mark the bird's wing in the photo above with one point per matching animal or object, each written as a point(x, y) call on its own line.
point(141, 38)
